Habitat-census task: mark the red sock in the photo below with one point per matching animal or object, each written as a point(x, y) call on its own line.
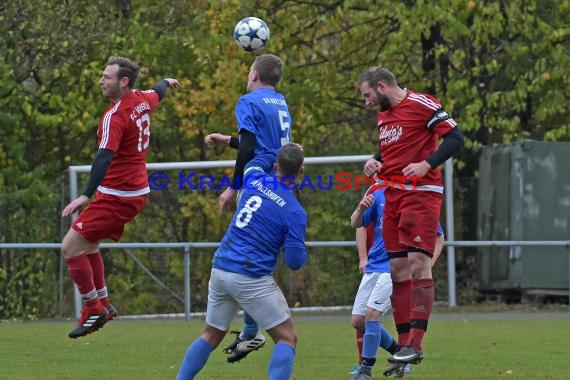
point(80, 272)
point(359, 341)
point(422, 299)
point(98, 268)
point(402, 308)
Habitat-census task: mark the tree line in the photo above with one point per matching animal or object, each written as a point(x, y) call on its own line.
point(499, 67)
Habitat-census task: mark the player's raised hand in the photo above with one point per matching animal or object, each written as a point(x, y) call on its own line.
point(372, 167)
point(356, 217)
point(172, 82)
point(225, 198)
point(366, 202)
point(74, 205)
point(216, 140)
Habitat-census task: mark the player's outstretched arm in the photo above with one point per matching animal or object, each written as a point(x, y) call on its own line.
point(99, 168)
point(214, 140)
point(357, 216)
point(162, 85)
point(361, 237)
point(245, 153)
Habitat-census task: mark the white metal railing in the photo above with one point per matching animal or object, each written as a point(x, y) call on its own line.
point(187, 247)
point(449, 207)
point(196, 165)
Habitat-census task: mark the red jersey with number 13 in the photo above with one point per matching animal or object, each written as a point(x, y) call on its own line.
point(408, 133)
point(125, 129)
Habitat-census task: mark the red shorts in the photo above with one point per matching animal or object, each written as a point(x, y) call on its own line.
point(105, 217)
point(410, 220)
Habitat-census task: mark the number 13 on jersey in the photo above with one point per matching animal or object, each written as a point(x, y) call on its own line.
point(143, 124)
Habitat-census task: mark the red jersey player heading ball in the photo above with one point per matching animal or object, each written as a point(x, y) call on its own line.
point(409, 126)
point(119, 180)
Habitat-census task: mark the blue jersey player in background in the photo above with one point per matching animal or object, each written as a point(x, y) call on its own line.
point(372, 300)
point(264, 122)
point(268, 217)
point(264, 125)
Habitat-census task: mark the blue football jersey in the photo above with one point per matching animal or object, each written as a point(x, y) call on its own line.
point(268, 217)
point(377, 255)
point(264, 112)
point(439, 230)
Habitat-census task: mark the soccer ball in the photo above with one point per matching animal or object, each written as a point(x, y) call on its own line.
point(251, 33)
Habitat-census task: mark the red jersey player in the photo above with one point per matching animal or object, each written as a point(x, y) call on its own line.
point(409, 126)
point(119, 176)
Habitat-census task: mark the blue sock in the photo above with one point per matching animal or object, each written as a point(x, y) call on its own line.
point(250, 327)
point(386, 340)
point(281, 363)
point(371, 342)
point(195, 359)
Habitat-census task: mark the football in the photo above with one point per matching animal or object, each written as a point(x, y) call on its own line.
point(251, 33)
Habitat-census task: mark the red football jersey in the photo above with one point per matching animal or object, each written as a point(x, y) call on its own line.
point(409, 133)
point(125, 129)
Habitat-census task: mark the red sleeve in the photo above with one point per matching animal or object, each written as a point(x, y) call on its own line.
point(112, 128)
point(445, 126)
point(438, 120)
point(152, 98)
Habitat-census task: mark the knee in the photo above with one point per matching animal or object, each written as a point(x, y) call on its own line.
point(420, 267)
point(290, 338)
point(372, 314)
point(66, 249)
point(70, 246)
point(357, 321)
point(213, 336)
point(399, 272)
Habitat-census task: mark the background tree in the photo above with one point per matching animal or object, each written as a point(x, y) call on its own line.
point(499, 67)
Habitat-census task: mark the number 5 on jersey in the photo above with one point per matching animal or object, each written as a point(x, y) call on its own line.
point(285, 126)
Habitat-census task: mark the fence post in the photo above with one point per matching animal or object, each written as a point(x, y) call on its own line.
point(450, 233)
point(187, 283)
point(72, 196)
point(568, 248)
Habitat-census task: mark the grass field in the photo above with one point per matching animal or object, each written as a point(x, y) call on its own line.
point(456, 347)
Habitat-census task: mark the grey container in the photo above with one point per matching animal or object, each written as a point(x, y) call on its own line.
point(524, 194)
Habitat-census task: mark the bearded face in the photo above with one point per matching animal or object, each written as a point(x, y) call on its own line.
point(373, 97)
point(383, 101)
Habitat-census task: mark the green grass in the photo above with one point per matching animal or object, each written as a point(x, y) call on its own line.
point(455, 348)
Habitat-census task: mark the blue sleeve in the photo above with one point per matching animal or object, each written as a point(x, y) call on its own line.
point(439, 230)
point(264, 161)
point(295, 257)
point(245, 115)
point(295, 252)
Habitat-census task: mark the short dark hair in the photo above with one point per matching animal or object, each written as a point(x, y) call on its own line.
point(270, 69)
point(377, 74)
point(290, 159)
point(127, 68)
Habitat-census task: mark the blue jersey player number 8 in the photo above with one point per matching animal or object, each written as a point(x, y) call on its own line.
point(246, 213)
